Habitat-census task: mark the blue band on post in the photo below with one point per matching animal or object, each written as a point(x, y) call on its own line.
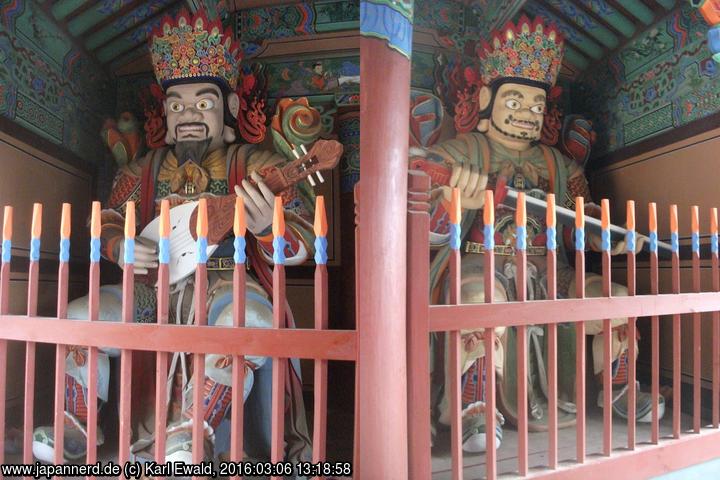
point(6, 251)
point(630, 241)
point(202, 250)
point(239, 244)
point(653, 242)
point(34, 249)
point(579, 239)
point(675, 242)
point(696, 242)
point(279, 250)
point(64, 250)
point(520, 238)
point(321, 250)
point(95, 250)
point(714, 243)
point(489, 240)
point(551, 242)
point(455, 236)
point(129, 251)
point(605, 237)
point(164, 250)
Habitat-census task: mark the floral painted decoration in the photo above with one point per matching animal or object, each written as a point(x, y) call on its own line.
point(529, 50)
point(194, 47)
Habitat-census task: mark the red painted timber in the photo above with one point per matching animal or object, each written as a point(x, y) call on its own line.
point(521, 351)
point(579, 337)
point(472, 316)
point(198, 430)
point(632, 332)
point(381, 319)
point(60, 349)
point(552, 344)
point(455, 373)
point(4, 304)
point(418, 274)
point(128, 317)
point(677, 331)
point(655, 332)
point(490, 394)
point(715, 329)
point(30, 347)
point(93, 315)
point(238, 373)
point(697, 344)
point(607, 340)
point(161, 365)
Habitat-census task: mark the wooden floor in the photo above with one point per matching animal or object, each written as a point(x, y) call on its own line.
point(538, 446)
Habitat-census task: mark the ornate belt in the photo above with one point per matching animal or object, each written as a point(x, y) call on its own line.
point(220, 263)
point(505, 250)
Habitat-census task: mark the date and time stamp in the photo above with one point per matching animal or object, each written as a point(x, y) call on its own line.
point(142, 470)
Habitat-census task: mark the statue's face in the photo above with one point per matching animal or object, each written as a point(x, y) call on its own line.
point(518, 112)
point(195, 114)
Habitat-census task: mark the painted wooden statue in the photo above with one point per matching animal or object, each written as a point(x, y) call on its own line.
point(197, 65)
point(519, 67)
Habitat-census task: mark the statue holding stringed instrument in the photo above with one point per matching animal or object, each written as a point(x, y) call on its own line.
point(197, 67)
point(519, 67)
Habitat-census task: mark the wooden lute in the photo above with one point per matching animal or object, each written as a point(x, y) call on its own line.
point(323, 155)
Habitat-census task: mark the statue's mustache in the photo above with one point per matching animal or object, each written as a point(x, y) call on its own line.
point(193, 129)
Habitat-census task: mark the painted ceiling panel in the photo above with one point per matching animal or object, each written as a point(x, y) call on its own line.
point(667, 4)
point(141, 15)
point(102, 10)
point(639, 9)
point(610, 15)
point(572, 56)
point(585, 22)
point(571, 33)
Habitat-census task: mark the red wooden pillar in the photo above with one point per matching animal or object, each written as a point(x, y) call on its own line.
point(382, 235)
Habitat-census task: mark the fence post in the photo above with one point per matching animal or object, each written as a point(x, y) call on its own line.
point(418, 327)
point(386, 30)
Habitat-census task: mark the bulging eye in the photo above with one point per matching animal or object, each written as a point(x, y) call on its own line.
point(205, 104)
point(176, 107)
point(512, 104)
point(538, 109)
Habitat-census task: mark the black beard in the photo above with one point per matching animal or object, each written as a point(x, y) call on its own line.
point(191, 150)
point(522, 136)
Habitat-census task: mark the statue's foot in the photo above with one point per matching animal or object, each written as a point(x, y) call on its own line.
point(74, 441)
point(473, 425)
point(643, 404)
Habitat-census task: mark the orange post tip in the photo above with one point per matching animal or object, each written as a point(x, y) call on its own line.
point(95, 227)
point(630, 215)
point(579, 212)
point(605, 213)
point(713, 221)
point(130, 220)
point(695, 218)
point(455, 206)
point(320, 227)
point(37, 220)
point(520, 215)
point(673, 218)
point(489, 208)
point(278, 225)
point(550, 216)
point(652, 216)
point(201, 228)
point(164, 219)
point(65, 221)
point(7, 222)
point(239, 221)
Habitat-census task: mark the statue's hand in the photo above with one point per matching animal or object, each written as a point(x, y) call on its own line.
point(145, 256)
point(259, 203)
point(471, 183)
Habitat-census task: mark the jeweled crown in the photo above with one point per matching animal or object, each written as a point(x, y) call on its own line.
point(194, 47)
point(528, 50)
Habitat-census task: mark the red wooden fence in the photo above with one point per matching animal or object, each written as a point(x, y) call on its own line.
point(425, 318)
point(319, 344)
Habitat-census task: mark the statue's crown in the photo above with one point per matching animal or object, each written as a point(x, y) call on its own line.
point(194, 48)
point(529, 50)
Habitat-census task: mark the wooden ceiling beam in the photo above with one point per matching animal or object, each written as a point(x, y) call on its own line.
point(79, 11)
point(575, 46)
point(599, 19)
point(235, 5)
point(157, 14)
point(626, 13)
point(121, 53)
point(109, 19)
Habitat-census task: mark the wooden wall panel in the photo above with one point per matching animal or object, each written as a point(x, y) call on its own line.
point(683, 173)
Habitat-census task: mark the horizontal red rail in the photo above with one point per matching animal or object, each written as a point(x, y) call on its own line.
point(268, 342)
point(445, 318)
